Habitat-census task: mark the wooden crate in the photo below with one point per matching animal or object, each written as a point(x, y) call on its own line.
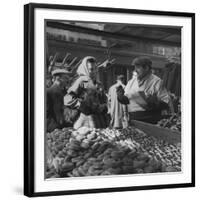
point(166, 134)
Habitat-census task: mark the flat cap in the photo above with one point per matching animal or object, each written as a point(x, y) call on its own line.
point(142, 60)
point(60, 71)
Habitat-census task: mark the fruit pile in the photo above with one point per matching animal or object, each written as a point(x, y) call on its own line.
point(168, 154)
point(92, 152)
point(173, 123)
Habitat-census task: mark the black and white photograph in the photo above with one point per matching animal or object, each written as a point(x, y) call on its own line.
point(109, 100)
point(113, 99)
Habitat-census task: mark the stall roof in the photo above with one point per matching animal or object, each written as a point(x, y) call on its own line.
point(166, 35)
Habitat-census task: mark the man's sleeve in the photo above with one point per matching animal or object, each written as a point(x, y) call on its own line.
point(162, 93)
point(163, 96)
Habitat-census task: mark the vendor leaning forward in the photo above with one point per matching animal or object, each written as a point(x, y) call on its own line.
point(144, 94)
point(55, 94)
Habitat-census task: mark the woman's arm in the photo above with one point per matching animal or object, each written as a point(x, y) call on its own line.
point(73, 97)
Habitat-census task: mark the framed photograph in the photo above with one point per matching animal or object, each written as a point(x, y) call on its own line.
point(108, 99)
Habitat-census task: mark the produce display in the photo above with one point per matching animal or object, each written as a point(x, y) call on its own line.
point(173, 123)
point(94, 152)
point(168, 154)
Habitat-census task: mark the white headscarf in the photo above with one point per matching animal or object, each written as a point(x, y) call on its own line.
point(83, 68)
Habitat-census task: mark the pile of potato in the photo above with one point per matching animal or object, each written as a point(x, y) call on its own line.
point(168, 154)
point(92, 152)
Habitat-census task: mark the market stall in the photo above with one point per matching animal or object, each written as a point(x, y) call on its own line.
point(138, 148)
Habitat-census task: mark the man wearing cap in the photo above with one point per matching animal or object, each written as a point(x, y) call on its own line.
point(116, 110)
point(144, 94)
point(55, 95)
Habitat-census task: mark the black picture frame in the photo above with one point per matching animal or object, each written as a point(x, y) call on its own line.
point(29, 81)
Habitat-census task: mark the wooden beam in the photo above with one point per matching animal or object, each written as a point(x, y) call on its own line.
point(167, 29)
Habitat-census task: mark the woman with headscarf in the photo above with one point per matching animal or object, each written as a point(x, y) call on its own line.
point(82, 96)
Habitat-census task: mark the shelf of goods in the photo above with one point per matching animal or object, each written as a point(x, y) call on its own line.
point(141, 148)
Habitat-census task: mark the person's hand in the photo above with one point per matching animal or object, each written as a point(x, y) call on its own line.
point(152, 99)
point(153, 103)
point(120, 90)
point(120, 95)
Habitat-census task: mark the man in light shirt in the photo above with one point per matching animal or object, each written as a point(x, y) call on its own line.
point(144, 94)
point(116, 110)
